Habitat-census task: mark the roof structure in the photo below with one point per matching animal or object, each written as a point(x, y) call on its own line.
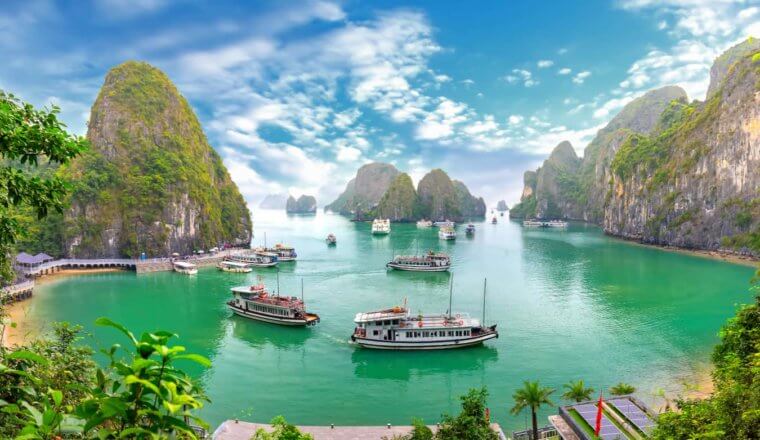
point(623, 418)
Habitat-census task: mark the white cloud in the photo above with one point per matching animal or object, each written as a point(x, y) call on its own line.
point(521, 75)
point(606, 110)
point(565, 71)
point(515, 119)
point(662, 25)
point(580, 77)
point(468, 82)
point(542, 64)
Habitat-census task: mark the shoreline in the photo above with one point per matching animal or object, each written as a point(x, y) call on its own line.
point(727, 257)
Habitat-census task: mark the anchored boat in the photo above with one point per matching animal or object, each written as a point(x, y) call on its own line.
point(430, 262)
point(424, 223)
point(557, 224)
point(257, 259)
point(444, 224)
point(447, 233)
point(494, 220)
point(254, 302)
point(185, 267)
point(233, 266)
point(470, 229)
point(284, 252)
point(331, 240)
point(381, 226)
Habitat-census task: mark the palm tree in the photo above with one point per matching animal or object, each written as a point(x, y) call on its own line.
point(532, 396)
point(622, 388)
point(577, 391)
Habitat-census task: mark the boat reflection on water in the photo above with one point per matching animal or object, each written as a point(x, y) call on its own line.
point(263, 335)
point(428, 279)
point(395, 365)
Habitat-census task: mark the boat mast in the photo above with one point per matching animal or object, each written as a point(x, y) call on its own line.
point(301, 289)
point(278, 281)
point(451, 292)
point(265, 240)
point(485, 281)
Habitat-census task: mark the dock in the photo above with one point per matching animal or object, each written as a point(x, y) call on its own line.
point(16, 292)
point(238, 430)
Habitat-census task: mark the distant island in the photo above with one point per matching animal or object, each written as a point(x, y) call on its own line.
point(274, 201)
point(380, 190)
point(665, 170)
point(502, 206)
point(303, 205)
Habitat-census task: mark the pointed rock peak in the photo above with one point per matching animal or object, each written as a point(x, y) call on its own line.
point(723, 63)
point(643, 113)
point(563, 154)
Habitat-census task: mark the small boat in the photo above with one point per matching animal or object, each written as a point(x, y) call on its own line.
point(470, 229)
point(185, 268)
point(430, 262)
point(444, 224)
point(254, 302)
point(561, 224)
point(257, 259)
point(331, 240)
point(424, 223)
point(494, 220)
point(233, 266)
point(501, 214)
point(557, 224)
point(381, 226)
point(447, 233)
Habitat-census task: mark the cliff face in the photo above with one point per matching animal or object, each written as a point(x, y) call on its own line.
point(669, 172)
point(151, 183)
point(304, 205)
point(399, 203)
point(469, 205)
point(363, 192)
point(438, 198)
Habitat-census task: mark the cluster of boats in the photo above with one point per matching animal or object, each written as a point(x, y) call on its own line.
point(446, 229)
point(395, 328)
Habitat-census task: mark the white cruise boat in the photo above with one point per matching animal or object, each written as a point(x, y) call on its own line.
point(560, 224)
point(381, 226)
point(447, 233)
point(424, 223)
point(397, 329)
point(444, 224)
point(533, 223)
point(257, 259)
point(430, 262)
point(284, 252)
point(254, 302)
point(185, 267)
point(233, 266)
point(556, 224)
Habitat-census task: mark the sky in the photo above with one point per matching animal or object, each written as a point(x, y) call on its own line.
point(297, 95)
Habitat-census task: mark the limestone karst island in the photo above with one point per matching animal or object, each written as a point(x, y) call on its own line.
point(337, 220)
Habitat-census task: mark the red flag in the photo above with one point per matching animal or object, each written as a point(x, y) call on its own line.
point(598, 416)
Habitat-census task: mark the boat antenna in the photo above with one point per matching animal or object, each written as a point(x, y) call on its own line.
point(485, 281)
point(451, 292)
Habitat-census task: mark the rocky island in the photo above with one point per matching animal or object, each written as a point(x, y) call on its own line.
point(303, 205)
point(667, 171)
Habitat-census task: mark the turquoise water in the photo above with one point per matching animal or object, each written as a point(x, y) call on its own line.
point(569, 305)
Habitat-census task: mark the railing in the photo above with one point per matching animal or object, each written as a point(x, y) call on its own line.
point(545, 433)
point(13, 289)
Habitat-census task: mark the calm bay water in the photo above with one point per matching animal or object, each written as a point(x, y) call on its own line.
point(568, 305)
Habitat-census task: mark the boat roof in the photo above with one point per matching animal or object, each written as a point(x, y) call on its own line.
point(392, 313)
point(184, 264)
point(441, 320)
point(233, 263)
point(266, 253)
point(283, 246)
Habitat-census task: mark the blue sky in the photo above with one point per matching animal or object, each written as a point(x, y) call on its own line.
point(297, 95)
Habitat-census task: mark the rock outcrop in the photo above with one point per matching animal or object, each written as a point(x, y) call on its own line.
point(399, 203)
point(501, 206)
point(669, 172)
point(469, 205)
point(304, 205)
point(363, 192)
point(151, 182)
point(438, 197)
point(274, 201)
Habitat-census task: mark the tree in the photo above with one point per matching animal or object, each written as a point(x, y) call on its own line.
point(577, 391)
point(622, 389)
point(282, 431)
point(471, 423)
point(533, 396)
point(28, 137)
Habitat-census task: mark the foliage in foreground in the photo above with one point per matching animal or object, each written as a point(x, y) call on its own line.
point(27, 137)
point(282, 431)
point(733, 411)
point(532, 395)
point(53, 389)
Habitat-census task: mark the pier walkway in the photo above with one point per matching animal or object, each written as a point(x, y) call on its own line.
point(236, 430)
point(16, 292)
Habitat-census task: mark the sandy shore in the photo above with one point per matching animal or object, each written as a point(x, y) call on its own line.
point(19, 311)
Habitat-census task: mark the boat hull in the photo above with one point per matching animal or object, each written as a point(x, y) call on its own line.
point(381, 232)
point(273, 319)
point(286, 259)
point(426, 345)
point(417, 268)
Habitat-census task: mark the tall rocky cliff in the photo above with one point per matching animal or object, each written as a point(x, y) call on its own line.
point(469, 205)
point(151, 182)
point(666, 171)
point(400, 202)
point(363, 192)
point(438, 197)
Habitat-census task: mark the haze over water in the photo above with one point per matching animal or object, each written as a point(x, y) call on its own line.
point(568, 304)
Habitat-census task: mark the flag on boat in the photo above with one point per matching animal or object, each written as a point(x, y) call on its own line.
point(598, 416)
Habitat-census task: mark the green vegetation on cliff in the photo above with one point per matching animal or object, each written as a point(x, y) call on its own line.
point(399, 203)
point(438, 197)
point(151, 183)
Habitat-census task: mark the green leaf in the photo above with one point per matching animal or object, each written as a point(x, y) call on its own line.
point(57, 397)
point(34, 412)
point(195, 358)
point(132, 379)
point(27, 355)
point(103, 321)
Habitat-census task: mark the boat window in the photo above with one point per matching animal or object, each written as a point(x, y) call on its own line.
point(394, 322)
point(378, 322)
point(375, 332)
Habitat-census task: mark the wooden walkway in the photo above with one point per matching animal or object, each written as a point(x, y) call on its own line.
point(234, 430)
point(16, 292)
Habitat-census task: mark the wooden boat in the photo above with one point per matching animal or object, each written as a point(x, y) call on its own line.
point(430, 262)
point(254, 302)
point(185, 267)
point(494, 220)
point(381, 226)
point(257, 259)
point(233, 266)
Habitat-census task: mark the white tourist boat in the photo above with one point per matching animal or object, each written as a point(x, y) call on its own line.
point(331, 240)
point(444, 224)
point(494, 220)
point(560, 224)
point(284, 252)
point(430, 262)
point(381, 226)
point(257, 259)
point(185, 267)
point(470, 229)
point(533, 223)
point(556, 224)
point(254, 302)
point(424, 223)
point(233, 266)
point(397, 329)
point(447, 233)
